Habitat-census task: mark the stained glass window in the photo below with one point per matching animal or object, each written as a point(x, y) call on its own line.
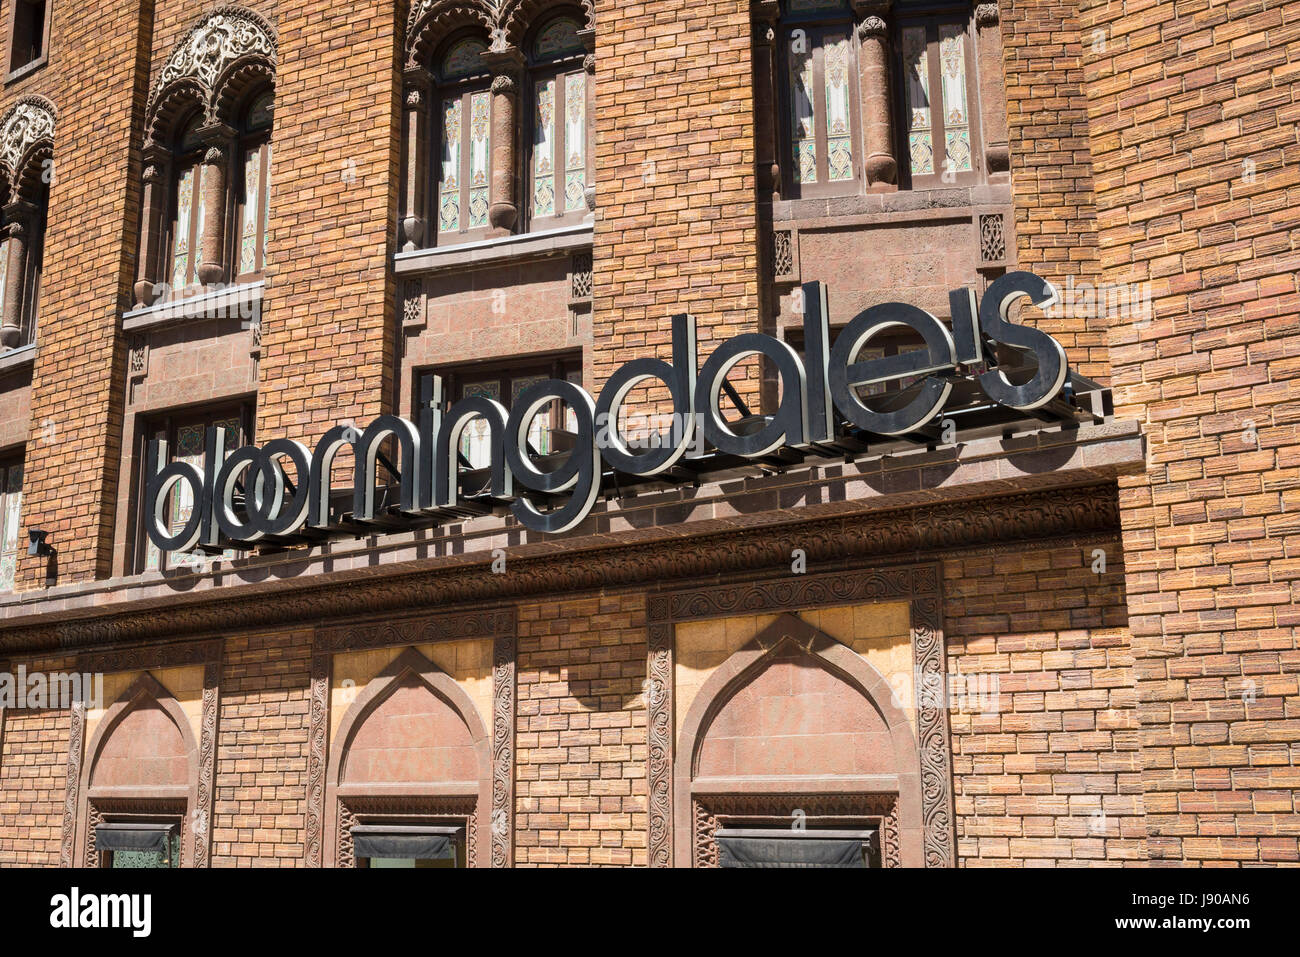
point(820, 95)
point(187, 222)
point(559, 120)
point(137, 860)
point(464, 135)
point(11, 497)
point(935, 62)
point(254, 211)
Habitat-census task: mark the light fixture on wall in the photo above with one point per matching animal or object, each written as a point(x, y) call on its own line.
point(37, 544)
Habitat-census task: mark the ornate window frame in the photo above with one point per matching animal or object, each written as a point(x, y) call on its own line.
point(329, 811)
point(671, 818)
point(82, 808)
point(26, 171)
point(227, 56)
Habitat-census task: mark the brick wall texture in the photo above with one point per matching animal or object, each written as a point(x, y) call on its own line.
point(1150, 711)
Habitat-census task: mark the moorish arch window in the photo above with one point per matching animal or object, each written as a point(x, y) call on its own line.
point(498, 121)
point(878, 95)
point(26, 172)
point(207, 151)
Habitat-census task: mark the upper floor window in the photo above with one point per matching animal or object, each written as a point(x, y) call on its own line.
point(881, 100)
point(254, 186)
point(187, 208)
point(205, 213)
point(26, 172)
point(29, 34)
point(936, 61)
point(464, 141)
point(558, 156)
point(11, 501)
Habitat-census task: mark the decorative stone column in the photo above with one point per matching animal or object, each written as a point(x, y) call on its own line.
point(417, 138)
point(588, 38)
point(151, 215)
point(20, 216)
point(988, 45)
point(507, 68)
point(877, 117)
point(220, 141)
point(766, 99)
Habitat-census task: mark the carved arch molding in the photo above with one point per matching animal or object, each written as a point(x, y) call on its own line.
point(26, 144)
point(506, 22)
point(328, 819)
point(80, 812)
point(917, 584)
point(220, 56)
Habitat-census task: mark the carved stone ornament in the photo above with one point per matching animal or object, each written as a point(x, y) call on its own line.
point(215, 43)
point(28, 121)
point(504, 83)
point(986, 14)
point(872, 27)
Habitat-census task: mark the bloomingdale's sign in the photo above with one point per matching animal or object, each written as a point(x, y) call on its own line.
point(814, 388)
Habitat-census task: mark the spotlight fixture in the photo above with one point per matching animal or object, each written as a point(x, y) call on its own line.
point(37, 544)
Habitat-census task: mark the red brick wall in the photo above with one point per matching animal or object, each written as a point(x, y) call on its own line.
point(327, 327)
point(1051, 174)
point(260, 803)
point(676, 227)
point(1211, 532)
point(1052, 775)
point(33, 778)
point(75, 437)
point(580, 779)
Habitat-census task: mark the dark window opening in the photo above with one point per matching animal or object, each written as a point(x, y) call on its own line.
point(785, 847)
point(185, 433)
point(408, 845)
point(27, 42)
point(139, 844)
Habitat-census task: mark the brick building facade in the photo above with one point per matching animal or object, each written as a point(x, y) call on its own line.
point(279, 218)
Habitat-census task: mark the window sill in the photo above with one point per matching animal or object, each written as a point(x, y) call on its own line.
point(903, 204)
point(243, 300)
point(17, 358)
point(486, 252)
point(27, 69)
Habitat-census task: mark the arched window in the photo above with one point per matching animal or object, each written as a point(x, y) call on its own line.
point(26, 171)
point(819, 68)
point(462, 142)
point(254, 187)
point(185, 238)
point(557, 160)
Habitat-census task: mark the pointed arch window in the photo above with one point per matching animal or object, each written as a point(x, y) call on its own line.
point(463, 142)
point(557, 161)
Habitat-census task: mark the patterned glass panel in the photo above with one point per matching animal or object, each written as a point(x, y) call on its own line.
point(544, 149)
point(559, 38)
point(4, 266)
point(479, 152)
point(917, 82)
point(197, 205)
point(476, 439)
point(449, 184)
point(252, 200)
point(839, 129)
point(264, 204)
point(956, 118)
point(464, 59)
point(149, 859)
point(259, 114)
point(802, 118)
point(181, 244)
point(11, 494)
point(575, 141)
point(539, 429)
